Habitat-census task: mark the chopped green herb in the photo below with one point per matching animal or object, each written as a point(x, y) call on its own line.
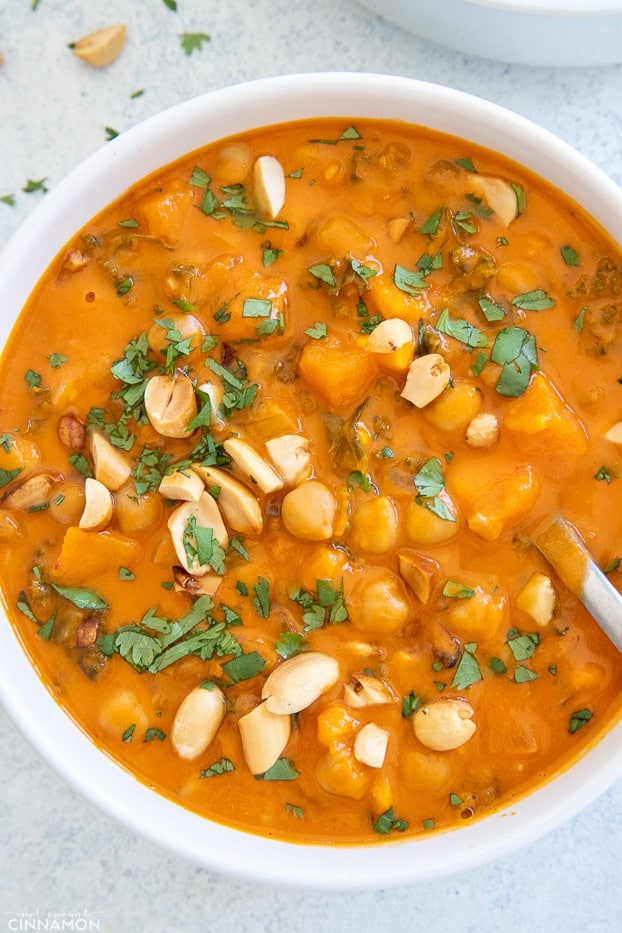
point(222, 766)
point(57, 359)
point(45, 632)
point(357, 478)
point(515, 351)
point(604, 473)
point(32, 186)
point(467, 672)
point(191, 41)
point(491, 310)
point(464, 220)
point(521, 197)
point(256, 307)
point(289, 644)
point(570, 255)
point(261, 599)
point(536, 300)
point(577, 324)
point(466, 162)
point(129, 733)
point(387, 822)
point(497, 666)
point(171, 4)
point(324, 273)
point(457, 590)
point(33, 379)
point(81, 464)
point(523, 646)
point(410, 704)
point(430, 226)
point(138, 93)
point(270, 255)
point(578, 719)
point(244, 667)
point(461, 330)
point(7, 476)
point(294, 810)
point(152, 734)
point(428, 824)
point(455, 800)
point(317, 332)
point(325, 606)
point(8, 199)
point(126, 574)
point(410, 281)
point(81, 597)
point(110, 133)
point(523, 675)
point(128, 223)
point(281, 770)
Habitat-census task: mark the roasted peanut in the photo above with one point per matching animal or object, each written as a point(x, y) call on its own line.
point(419, 572)
point(299, 681)
point(170, 404)
point(184, 485)
point(97, 506)
point(203, 514)
point(101, 47)
point(197, 720)
point(269, 179)
point(537, 598)
point(71, 431)
point(34, 491)
point(254, 468)
point(445, 724)
point(428, 376)
point(290, 455)
point(370, 745)
point(374, 525)
point(109, 464)
point(483, 430)
point(237, 503)
point(367, 690)
point(264, 735)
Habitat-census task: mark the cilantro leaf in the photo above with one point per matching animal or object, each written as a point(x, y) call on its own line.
point(467, 672)
point(461, 330)
point(190, 41)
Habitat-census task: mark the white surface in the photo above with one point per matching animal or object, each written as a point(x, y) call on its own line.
point(527, 32)
point(60, 855)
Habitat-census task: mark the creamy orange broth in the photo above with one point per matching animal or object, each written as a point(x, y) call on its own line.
point(432, 594)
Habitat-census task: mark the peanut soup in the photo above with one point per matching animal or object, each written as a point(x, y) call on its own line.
point(275, 428)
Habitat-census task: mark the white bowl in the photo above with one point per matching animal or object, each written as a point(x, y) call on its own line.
point(66, 209)
point(526, 32)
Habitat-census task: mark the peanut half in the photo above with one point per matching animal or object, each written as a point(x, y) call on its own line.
point(299, 681)
point(445, 724)
point(101, 47)
point(264, 735)
point(428, 376)
point(197, 720)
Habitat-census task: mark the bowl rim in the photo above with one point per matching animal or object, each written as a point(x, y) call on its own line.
point(78, 197)
point(552, 8)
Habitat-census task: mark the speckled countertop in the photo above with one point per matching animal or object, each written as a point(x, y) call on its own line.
point(59, 856)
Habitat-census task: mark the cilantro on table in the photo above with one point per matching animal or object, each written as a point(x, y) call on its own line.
point(31, 186)
point(193, 41)
point(8, 199)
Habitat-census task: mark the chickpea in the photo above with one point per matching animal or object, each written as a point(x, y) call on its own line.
point(339, 773)
point(374, 525)
point(424, 527)
point(324, 562)
point(308, 511)
point(136, 513)
point(67, 504)
point(234, 163)
point(424, 773)
point(120, 711)
point(380, 605)
point(453, 410)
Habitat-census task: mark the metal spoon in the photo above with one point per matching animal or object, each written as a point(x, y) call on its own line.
point(560, 543)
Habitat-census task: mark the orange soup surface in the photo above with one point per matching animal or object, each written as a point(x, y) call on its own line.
point(275, 428)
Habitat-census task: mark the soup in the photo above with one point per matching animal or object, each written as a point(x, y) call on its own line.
point(269, 474)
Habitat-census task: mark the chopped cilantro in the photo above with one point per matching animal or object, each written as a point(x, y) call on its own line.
point(387, 822)
point(515, 351)
point(431, 225)
point(465, 162)
point(490, 310)
point(578, 719)
point(222, 766)
point(325, 606)
point(152, 734)
point(536, 300)
point(570, 255)
point(461, 330)
point(410, 704)
point(191, 41)
point(261, 599)
point(457, 590)
point(523, 675)
point(57, 359)
point(8, 199)
point(317, 332)
point(32, 186)
point(81, 597)
point(244, 667)
point(324, 273)
point(467, 672)
point(604, 473)
point(290, 644)
point(33, 379)
point(410, 281)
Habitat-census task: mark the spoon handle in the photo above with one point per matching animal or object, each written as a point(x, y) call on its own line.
point(560, 543)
